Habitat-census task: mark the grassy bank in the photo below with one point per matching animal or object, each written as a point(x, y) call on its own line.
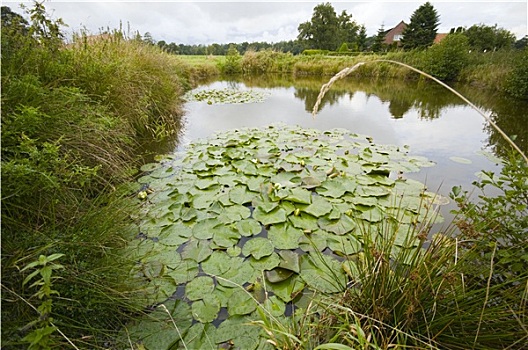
point(74, 119)
point(501, 71)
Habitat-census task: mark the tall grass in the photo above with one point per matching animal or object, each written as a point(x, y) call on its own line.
point(73, 119)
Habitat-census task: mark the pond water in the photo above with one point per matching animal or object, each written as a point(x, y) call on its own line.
point(430, 120)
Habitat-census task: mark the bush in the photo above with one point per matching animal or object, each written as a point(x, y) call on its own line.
point(446, 59)
point(517, 81)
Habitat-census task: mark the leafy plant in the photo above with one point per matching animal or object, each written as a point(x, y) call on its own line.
point(43, 327)
point(446, 59)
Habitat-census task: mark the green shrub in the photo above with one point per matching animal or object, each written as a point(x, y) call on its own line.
point(446, 59)
point(517, 81)
point(313, 52)
point(232, 62)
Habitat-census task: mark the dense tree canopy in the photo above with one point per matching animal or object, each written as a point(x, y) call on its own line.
point(486, 38)
point(421, 31)
point(327, 30)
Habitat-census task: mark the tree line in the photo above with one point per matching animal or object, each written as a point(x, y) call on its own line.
point(326, 30)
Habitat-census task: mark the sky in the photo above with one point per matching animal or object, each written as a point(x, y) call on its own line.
point(207, 22)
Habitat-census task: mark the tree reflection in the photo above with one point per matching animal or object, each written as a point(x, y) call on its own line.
point(424, 97)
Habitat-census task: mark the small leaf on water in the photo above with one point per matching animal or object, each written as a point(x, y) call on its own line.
point(199, 287)
point(206, 310)
point(278, 275)
point(461, 160)
point(258, 247)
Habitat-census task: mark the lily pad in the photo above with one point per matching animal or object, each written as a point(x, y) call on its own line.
point(460, 160)
point(199, 287)
point(323, 273)
point(258, 247)
point(206, 309)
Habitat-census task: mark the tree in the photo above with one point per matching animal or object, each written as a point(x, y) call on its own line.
point(421, 31)
point(378, 45)
point(487, 38)
point(326, 30)
point(362, 38)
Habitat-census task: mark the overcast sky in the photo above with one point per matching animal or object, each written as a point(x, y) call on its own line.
point(201, 22)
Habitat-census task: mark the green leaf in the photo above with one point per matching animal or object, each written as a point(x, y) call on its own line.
point(323, 273)
point(241, 303)
point(461, 160)
point(287, 289)
point(205, 229)
point(275, 306)
point(184, 272)
point(304, 221)
point(339, 227)
point(344, 245)
point(284, 236)
point(217, 264)
point(200, 336)
point(248, 227)
point(265, 263)
point(319, 207)
point(241, 331)
point(241, 195)
point(278, 275)
point(197, 250)
point(300, 195)
point(234, 213)
point(275, 216)
point(226, 236)
point(206, 310)
point(258, 247)
point(332, 188)
point(199, 287)
point(314, 242)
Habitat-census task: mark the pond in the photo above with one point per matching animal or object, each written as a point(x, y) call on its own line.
point(432, 121)
point(270, 208)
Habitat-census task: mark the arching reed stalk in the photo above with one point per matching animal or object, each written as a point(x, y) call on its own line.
point(343, 73)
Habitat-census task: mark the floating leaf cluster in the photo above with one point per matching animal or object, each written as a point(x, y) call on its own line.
point(226, 96)
point(259, 218)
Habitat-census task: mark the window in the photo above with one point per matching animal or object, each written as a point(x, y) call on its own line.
point(398, 37)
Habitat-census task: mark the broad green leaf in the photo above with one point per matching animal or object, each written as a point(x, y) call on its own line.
point(284, 236)
point(323, 273)
point(344, 245)
point(258, 247)
point(275, 216)
point(199, 287)
point(278, 275)
point(200, 336)
point(319, 207)
point(300, 195)
point(304, 221)
point(241, 195)
point(184, 272)
point(205, 229)
point(332, 188)
point(197, 250)
point(234, 213)
point(275, 306)
point(240, 331)
point(217, 264)
point(265, 263)
point(241, 303)
point(206, 309)
point(248, 227)
point(339, 226)
point(461, 160)
point(288, 289)
point(314, 242)
point(226, 236)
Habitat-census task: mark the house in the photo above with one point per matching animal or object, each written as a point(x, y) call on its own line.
point(395, 34)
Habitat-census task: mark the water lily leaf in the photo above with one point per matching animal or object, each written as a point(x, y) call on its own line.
point(239, 274)
point(206, 183)
point(284, 236)
point(319, 207)
point(304, 222)
point(300, 195)
point(315, 241)
point(175, 234)
point(278, 275)
point(150, 167)
point(275, 216)
point(239, 330)
point(234, 251)
point(289, 260)
point(241, 195)
point(199, 287)
point(217, 264)
point(332, 188)
point(197, 250)
point(344, 245)
point(265, 263)
point(323, 273)
point(274, 306)
point(187, 214)
point(185, 271)
point(351, 269)
point(254, 182)
point(226, 236)
point(372, 214)
point(461, 160)
point(311, 182)
point(234, 213)
point(241, 303)
point(287, 289)
point(205, 229)
point(372, 191)
point(248, 227)
point(245, 167)
point(339, 226)
point(258, 247)
point(199, 336)
point(206, 310)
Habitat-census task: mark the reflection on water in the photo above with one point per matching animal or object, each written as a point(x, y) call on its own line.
point(432, 121)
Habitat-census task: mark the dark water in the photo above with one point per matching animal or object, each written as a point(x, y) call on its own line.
point(431, 120)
